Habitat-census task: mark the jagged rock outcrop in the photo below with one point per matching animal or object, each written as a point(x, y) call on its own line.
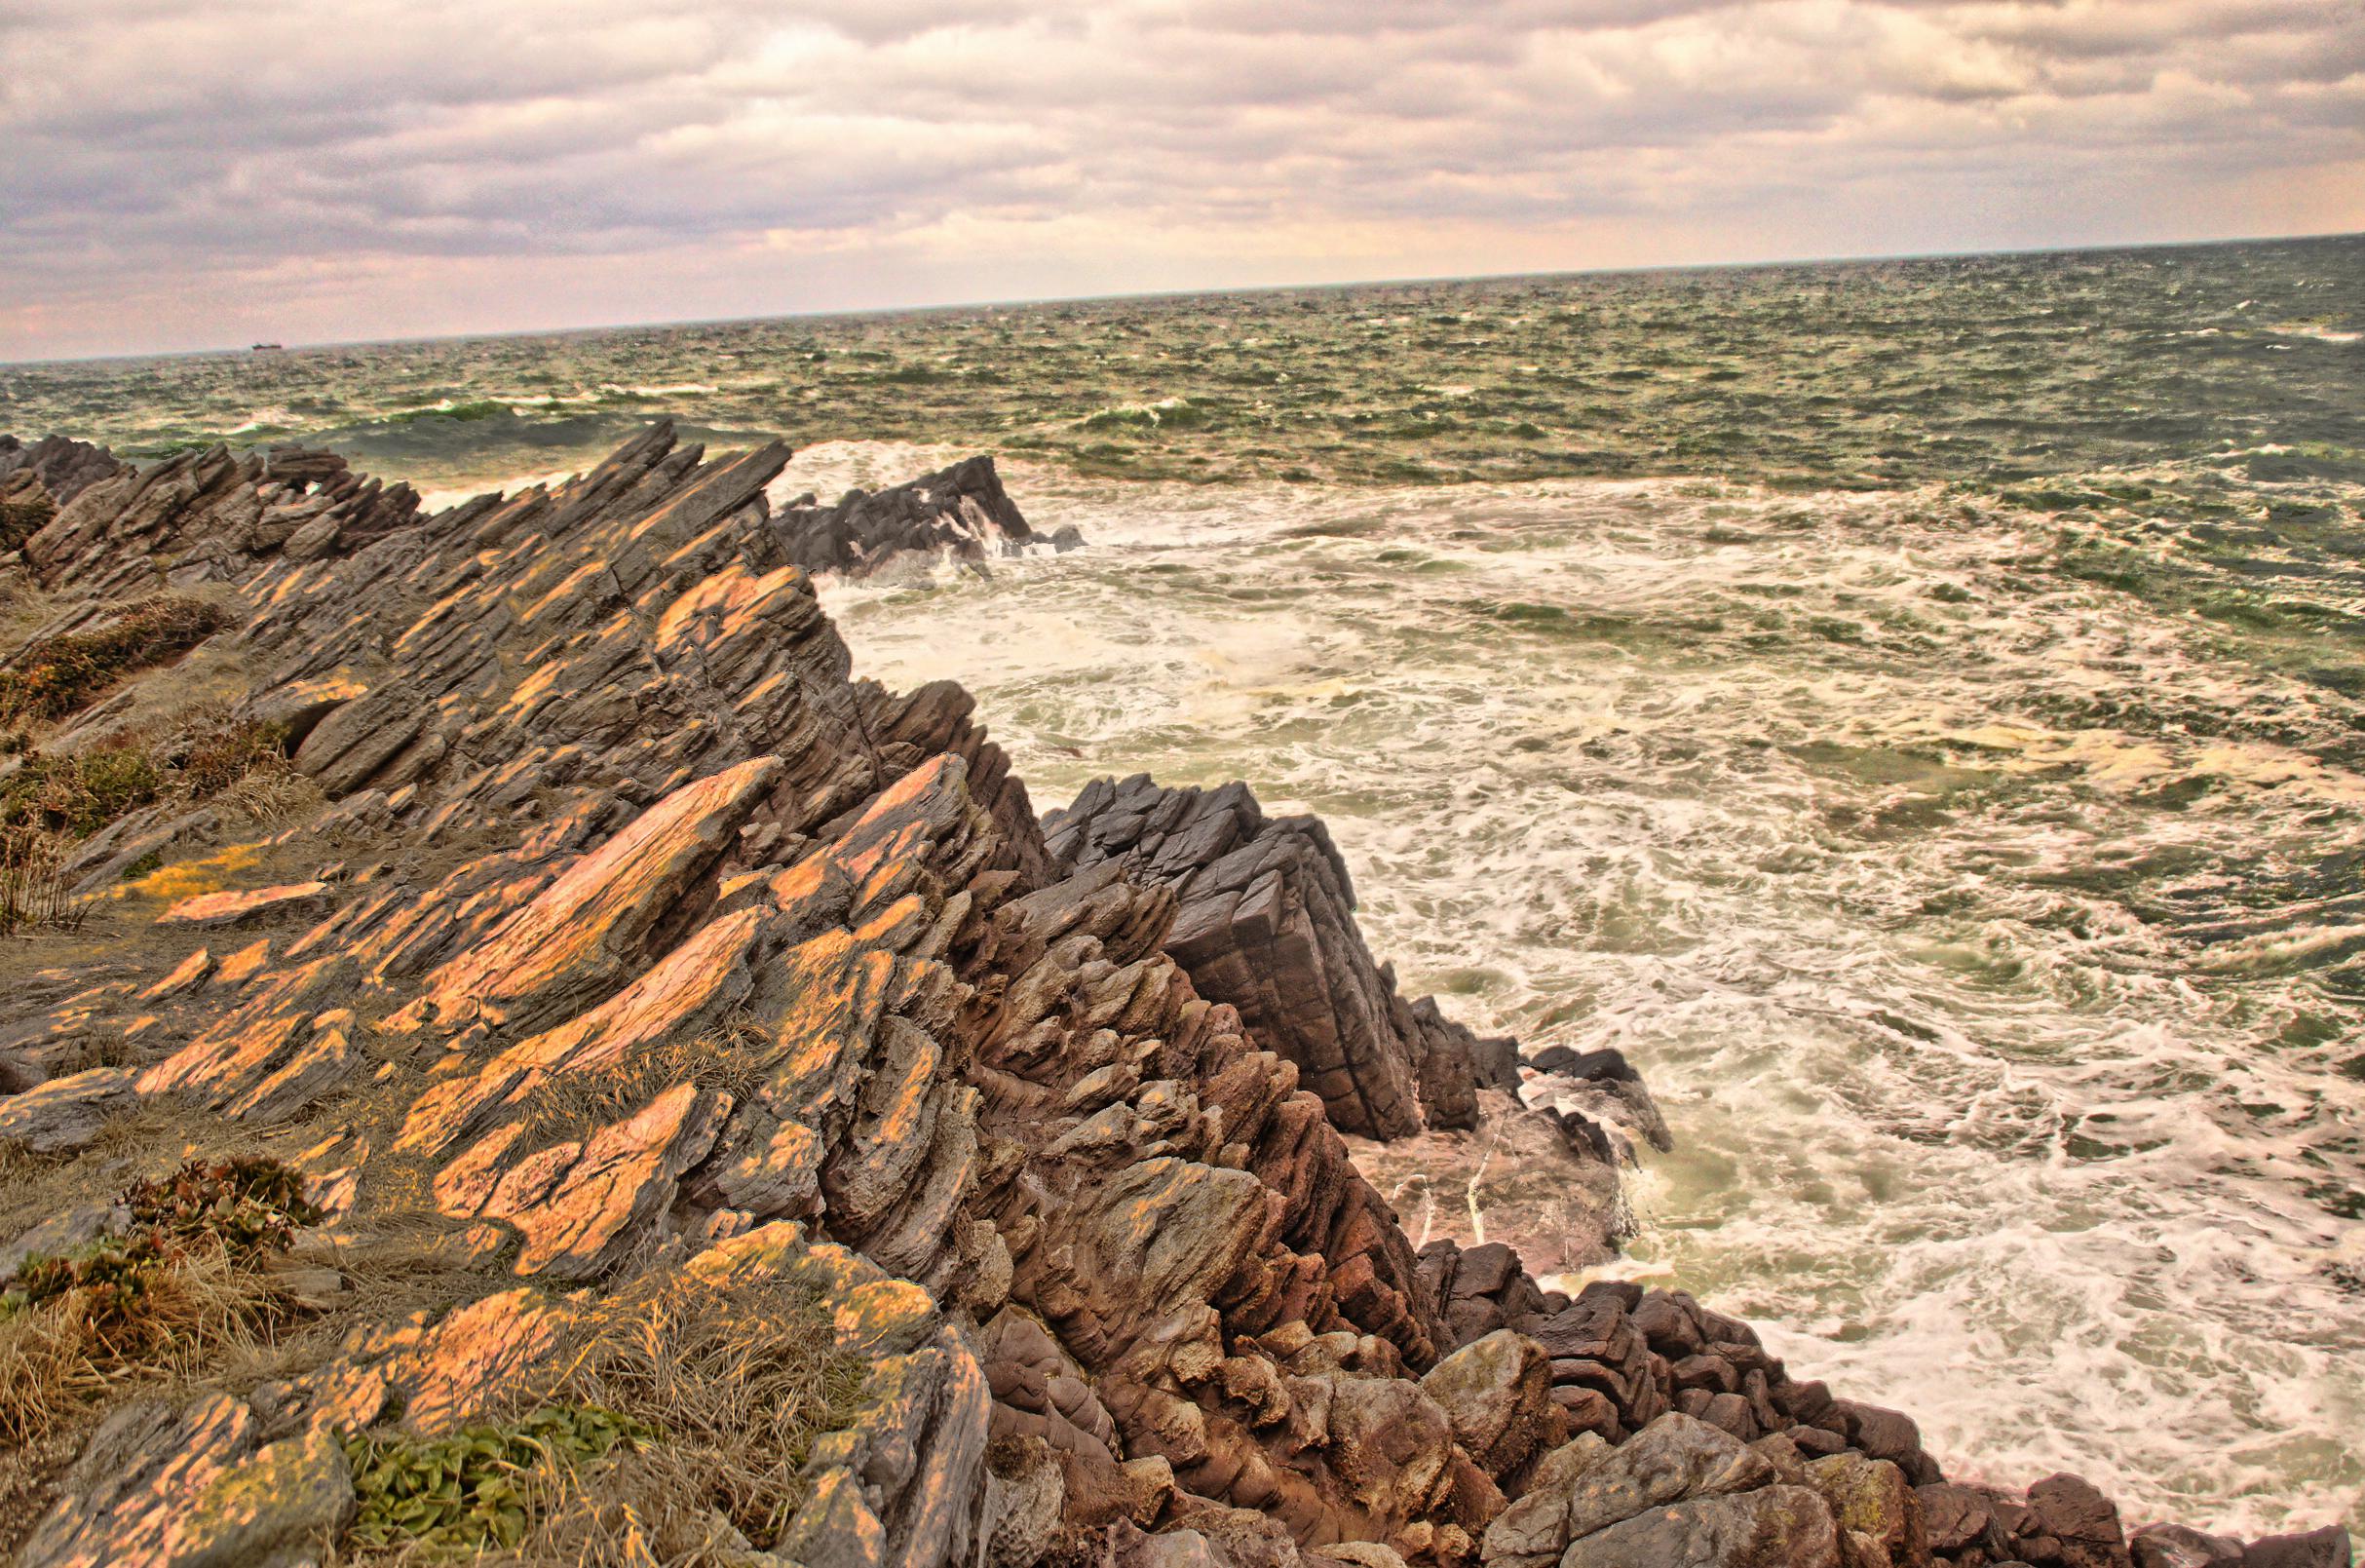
point(961, 514)
point(1265, 920)
point(53, 470)
point(636, 955)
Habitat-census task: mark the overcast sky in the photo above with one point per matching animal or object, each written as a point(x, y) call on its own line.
point(178, 175)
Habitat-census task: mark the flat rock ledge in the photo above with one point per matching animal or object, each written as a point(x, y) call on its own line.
point(648, 954)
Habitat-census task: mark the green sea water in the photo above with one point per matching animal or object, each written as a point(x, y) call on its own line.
point(1914, 708)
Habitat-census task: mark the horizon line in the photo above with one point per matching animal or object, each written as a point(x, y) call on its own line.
point(1115, 297)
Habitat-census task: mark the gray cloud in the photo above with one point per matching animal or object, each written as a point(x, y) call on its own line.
point(183, 175)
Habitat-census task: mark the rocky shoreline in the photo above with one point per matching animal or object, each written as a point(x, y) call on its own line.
point(582, 939)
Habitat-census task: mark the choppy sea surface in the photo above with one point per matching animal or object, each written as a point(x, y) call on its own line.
point(1914, 709)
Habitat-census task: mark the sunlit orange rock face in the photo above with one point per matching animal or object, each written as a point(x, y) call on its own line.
point(650, 954)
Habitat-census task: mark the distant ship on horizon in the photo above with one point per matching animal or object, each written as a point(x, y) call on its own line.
point(268, 348)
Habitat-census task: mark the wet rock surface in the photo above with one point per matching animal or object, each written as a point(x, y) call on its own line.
point(961, 514)
point(644, 955)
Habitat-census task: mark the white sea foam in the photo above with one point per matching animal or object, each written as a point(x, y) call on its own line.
point(1864, 880)
point(2322, 335)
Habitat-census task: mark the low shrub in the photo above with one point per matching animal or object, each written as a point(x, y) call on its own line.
point(77, 794)
point(58, 676)
point(475, 1490)
point(183, 1278)
point(20, 521)
point(245, 1204)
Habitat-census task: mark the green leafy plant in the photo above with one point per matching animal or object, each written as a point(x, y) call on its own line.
point(76, 1326)
point(248, 1204)
point(245, 1206)
point(475, 1489)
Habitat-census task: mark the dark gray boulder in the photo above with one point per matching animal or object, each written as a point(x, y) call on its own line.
point(1265, 920)
point(961, 512)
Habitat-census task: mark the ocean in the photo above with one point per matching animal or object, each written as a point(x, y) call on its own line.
point(1915, 709)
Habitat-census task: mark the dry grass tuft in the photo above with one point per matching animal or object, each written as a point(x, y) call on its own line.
point(205, 757)
point(574, 1104)
point(180, 1287)
point(23, 517)
point(66, 673)
point(89, 1343)
point(738, 1381)
point(274, 793)
point(34, 888)
point(721, 1391)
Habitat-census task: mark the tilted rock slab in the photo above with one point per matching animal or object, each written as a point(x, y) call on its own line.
point(1265, 920)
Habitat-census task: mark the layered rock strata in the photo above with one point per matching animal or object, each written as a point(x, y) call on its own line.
point(1265, 921)
point(635, 951)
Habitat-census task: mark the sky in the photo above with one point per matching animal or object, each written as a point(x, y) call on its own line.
point(177, 175)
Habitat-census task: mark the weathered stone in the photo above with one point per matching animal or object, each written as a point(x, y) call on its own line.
point(60, 1235)
point(1265, 922)
point(1957, 1517)
point(2173, 1546)
point(1888, 1435)
point(1535, 1529)
point(2072, 1511)
point(1870, 1497)
point(1673, 1458)
point(194, 1491)
point(1019, 1514)
point(586, 933)
point(65, 1114)
point(207, 911)
point(578, 1205)
point(2327, 1548)
point(961, 513)
point(1497, 1393)
point(1776, 1527)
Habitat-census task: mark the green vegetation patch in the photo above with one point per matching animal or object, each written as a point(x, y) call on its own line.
point(476, 1489)
point(78, 793)
point(53, 676)
point(246, 1207)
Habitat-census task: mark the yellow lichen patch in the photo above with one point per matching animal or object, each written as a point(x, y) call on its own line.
point(892, 1312)
point(213, 873)
point(839, 995)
